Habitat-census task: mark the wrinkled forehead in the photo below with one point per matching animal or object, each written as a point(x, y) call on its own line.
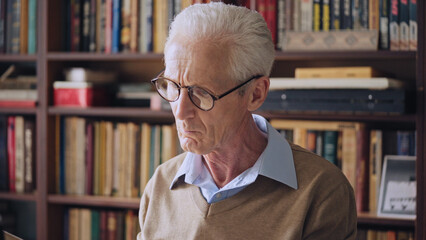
point(194, 60)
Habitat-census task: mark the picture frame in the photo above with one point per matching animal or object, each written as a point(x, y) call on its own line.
point(397, 197)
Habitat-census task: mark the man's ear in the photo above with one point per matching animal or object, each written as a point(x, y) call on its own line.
point(257, 93)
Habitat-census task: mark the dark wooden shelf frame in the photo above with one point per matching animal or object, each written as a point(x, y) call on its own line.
point(95, 201)
point(24, 111)
point(18, 58)
point(373, 219)
point(31, 197)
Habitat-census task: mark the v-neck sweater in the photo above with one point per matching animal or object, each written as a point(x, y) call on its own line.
point(323, 207)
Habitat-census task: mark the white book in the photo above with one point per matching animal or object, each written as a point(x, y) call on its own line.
point(334, 83)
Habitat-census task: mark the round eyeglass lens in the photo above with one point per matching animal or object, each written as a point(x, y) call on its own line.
point(201, 98)
point(167, 89)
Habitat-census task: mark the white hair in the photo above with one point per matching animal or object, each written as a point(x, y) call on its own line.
point(242, 32)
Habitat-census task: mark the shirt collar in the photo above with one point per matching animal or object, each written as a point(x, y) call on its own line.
point(276, 160)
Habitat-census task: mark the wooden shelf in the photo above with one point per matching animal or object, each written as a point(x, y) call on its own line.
point(25, 111)
point(143, 113)
point(410, 118)
point(345, 55)
point(373, 219)
point(17, 58)
point(18, 196)
point(95, 201)
point(85, 56)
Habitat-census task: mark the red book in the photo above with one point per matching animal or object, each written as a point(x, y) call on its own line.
point(271, 18)
point(78, 94)
point(362, 170)
point(17, 103)
point(261, 8)
point(103, 224)
point(11, 151)
point(29, 155)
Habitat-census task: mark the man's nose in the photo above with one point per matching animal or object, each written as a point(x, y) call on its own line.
point(184, 108)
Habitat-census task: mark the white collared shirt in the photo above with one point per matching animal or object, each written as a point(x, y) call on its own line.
point(275, 162)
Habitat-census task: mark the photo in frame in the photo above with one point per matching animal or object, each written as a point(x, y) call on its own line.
point(397, 197)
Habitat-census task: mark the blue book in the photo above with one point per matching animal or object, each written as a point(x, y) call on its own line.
point(150, 22)
point(116, 23)
point(335, 14)
point(413, 25)
point(330, 146)
point(32, 26)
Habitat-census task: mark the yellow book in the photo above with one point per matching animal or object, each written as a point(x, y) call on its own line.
point(130, 161)
point(109, 132)
point(375, 168)
point(73, 224)
point(85, 221)
point(122, 160)
point(337, 72)
point(80, 155)
point(96, 168)
point(102, 164)
point(145, 155)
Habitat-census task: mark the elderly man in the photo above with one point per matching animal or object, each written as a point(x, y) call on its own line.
point(239, 179)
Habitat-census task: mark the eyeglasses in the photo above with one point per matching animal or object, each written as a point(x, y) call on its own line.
point(200, 97)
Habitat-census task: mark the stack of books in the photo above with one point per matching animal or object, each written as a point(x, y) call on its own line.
point(338, 90)
point(16, 89)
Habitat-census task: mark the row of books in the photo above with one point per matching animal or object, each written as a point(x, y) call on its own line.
point(113, 26)
point(85, 224)
point(395, 20)
point(357, 150)
point(17, 154)
point(109, 158)
point(370, 234)
point(18, 26)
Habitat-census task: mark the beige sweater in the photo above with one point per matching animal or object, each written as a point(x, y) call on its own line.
point(323, 207)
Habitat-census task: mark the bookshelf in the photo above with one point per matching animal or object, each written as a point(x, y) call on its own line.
point(50, 60)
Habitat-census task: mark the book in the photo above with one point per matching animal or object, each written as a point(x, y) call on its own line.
point(394, 25)
point(281, 27)
point(145, 24)
point(15, 25)
point(337, 72)
point(134, 13)
point(159, 25)
point(3, 26)
point(376, 83)
point(23, 31)
point(346, 14)
point(89, 157)
point(325, 15)
point(335, 22)
point(108, 25)
point(125, 25)
point(116, 23)
point(75, 28)
point(330, 146)
point(362, 171)
point(404, 28)
point(374, 15)
point(413, 24)
point(145, 155)
point(85, 31)
point(306, 20)
point(11, 151)
point(4, 168)
point(317, 15)
point(271, 18)
point(384, 12)
point(92, 26)
point(32, 26)
point(29, 155)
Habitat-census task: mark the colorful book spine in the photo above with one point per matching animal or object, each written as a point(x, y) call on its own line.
point(2, 26)
point(32, 26)
point(281, 28)
point(92, 25)
point(3, 154)
point(29, 151)
point(116, 18)
point(23, 30)
point(85, 35)
point(325, 15)
point(306, 21)
point(404, 29)
point(394, 25)
point(356, 14)
point(75, 25)
point(384, 24)
point(330, 146)
point(125, 25)
point(289, 10)
point(374, 14)
point(11, 151)
point(335, 23)
point(364, 15)
point(317, 13)
point(16, 26)
point(108, 26)
point(134, 25)
point(346, 14)
point(413, 25)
